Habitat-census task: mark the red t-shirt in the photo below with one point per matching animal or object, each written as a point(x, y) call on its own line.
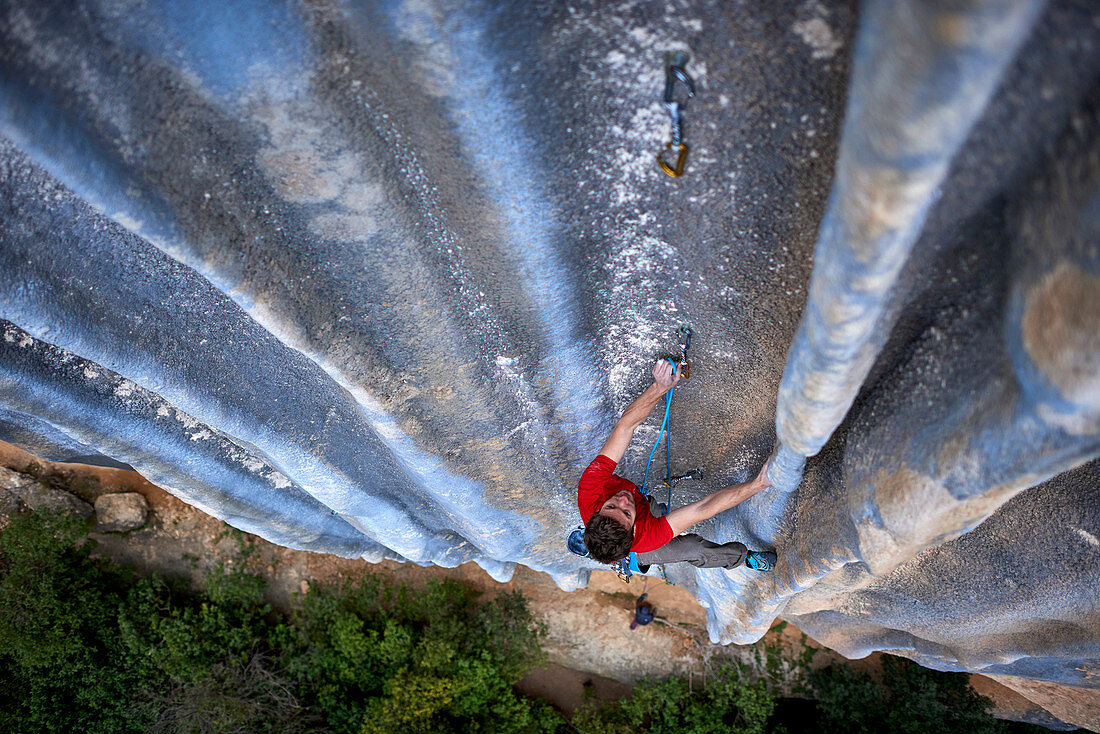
point(598, 482)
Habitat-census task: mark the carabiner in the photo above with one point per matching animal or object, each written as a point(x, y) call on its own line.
point(681, 159)
point(674, 72)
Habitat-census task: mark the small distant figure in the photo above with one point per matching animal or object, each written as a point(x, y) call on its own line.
point(617, 516)
point(643, 612)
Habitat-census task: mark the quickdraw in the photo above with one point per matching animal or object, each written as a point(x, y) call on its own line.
point(674, 72)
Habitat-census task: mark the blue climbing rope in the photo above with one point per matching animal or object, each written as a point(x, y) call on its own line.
point(666, 431)
point(668, 443)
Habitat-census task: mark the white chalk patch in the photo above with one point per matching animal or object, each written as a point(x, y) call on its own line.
point(434, 65)
point(134, 225)
point(1088, 537)
point(817, 34)
point(615, 59)
point(252, 464)
point(387, 430)
point(125, 389)
point(279, 480)
point(90, 374)
point(185, 419)
point(520, 427)
point(344, 226)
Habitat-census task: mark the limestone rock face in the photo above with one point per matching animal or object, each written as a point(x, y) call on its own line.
point(118, 512)
point(36, 495)
point(1078, 705)
point(377, 280)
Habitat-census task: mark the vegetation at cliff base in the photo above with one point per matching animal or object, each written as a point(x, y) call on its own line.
point(732, 701)
point(904, 699)
point(87, 646)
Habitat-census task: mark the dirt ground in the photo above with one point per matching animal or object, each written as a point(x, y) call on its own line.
point(592, 651)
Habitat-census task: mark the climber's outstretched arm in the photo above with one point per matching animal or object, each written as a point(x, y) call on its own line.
point(684, 517)
point(636, 413)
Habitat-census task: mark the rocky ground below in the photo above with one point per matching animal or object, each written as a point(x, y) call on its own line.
point(592, 649)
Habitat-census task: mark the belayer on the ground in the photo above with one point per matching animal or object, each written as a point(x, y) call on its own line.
point(617, 516)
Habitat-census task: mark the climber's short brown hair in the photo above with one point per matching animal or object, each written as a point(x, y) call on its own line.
point(606, 539)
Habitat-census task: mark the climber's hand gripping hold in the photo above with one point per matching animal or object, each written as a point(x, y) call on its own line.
point(684, 517)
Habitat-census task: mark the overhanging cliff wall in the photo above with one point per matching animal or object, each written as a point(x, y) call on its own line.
point(377, 280)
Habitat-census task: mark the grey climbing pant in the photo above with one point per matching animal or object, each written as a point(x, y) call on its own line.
point(696, 550)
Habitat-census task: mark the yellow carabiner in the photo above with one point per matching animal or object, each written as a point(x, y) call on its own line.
point(681, 159)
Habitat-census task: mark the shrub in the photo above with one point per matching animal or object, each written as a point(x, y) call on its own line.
point(909, 699)
point(375, 658)
point(85, 646)
point(63, 667)
point(731, 701)
point(235, 697)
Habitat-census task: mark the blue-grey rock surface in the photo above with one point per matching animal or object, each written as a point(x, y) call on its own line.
point(376, 279)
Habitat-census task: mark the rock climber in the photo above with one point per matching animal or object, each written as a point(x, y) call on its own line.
point(617, 516)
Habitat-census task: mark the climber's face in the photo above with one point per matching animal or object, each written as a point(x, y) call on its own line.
point(620, 507)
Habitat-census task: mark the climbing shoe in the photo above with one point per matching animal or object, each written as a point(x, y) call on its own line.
point(761, 560)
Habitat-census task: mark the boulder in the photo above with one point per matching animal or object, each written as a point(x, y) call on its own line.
point(16, 487)
point(10, 481)
point(120, 512)
point(41, 496)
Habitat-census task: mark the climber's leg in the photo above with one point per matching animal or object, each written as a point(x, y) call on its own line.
point(698, 551)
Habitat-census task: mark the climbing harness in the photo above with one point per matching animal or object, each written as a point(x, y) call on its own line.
point(674, 72)
point(629, 566)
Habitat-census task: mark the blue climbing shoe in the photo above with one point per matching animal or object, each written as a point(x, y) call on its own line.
point(761, 560)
